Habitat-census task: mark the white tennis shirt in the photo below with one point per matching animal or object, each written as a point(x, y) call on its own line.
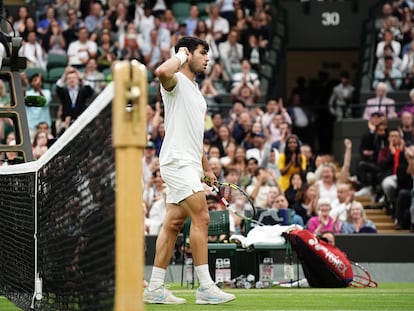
point(185, 109)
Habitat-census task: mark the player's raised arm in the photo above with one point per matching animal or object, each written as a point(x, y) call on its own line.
point(166, 71)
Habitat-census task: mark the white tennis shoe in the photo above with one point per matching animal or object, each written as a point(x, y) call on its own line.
point(161, 295)
point(212, 295)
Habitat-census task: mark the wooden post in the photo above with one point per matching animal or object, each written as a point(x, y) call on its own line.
point(129, 139)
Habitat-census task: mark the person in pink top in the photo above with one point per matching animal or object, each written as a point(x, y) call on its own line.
point(323, 222)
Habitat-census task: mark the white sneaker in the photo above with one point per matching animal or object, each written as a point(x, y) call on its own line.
point(162, 295)
point(212, 295)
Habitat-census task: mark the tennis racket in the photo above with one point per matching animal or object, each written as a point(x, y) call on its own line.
point(362, 278)
point(235, 199)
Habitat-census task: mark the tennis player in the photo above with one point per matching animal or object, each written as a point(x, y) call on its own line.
point(182, 165)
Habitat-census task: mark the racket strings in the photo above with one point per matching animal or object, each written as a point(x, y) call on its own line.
point(362, 278)
point(230, 195)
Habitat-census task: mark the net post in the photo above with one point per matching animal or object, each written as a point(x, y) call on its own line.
point(129, 139)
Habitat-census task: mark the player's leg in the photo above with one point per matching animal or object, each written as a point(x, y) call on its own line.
point(173, 223)
point(156, 291)
point(196, 207)
point(208, 292)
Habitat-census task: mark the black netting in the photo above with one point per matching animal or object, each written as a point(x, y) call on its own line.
point(16, 237)
point(75, 193)
point(76, 221)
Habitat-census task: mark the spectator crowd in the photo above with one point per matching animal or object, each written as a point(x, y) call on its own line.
point(266, 149)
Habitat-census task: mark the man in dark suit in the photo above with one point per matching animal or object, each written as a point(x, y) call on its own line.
point(72, 95)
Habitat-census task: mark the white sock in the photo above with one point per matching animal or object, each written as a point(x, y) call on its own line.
point(157, 278)
point(203, 275)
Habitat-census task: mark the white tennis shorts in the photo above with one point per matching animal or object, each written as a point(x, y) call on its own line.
point(182, 180)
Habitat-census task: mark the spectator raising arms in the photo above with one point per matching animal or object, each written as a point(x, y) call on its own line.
point(72, 95)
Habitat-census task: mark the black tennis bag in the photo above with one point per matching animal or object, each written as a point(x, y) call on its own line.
point(324, 265)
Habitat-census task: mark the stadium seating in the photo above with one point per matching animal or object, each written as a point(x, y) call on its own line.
point(202, 5)
point(55, 73)
point(52, 76)
point(181, 9)
point(56, 60)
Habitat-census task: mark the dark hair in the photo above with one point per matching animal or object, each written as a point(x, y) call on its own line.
point(215, 113)
point(212, 197)
point(191, 43)
point(34, 76)
point(300, 196)
point(41, 123)
point(240, 101)
point(323, 237)
point(253, 159)
point(293, 175)
point(289, 153)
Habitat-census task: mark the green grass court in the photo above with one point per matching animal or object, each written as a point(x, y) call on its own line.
point(387, 297)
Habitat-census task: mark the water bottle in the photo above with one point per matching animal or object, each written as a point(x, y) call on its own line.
point(289, 271)
point(219, 271)
point(267, 271)
point(251, 280)
point(226, 271)
point(259, 284)
point(189, 273)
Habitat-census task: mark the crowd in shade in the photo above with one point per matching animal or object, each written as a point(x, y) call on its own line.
point(269, 150)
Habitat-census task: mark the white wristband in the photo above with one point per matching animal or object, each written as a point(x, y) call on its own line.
point(182, 57)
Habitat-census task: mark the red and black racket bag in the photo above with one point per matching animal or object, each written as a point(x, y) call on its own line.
point(324, 265)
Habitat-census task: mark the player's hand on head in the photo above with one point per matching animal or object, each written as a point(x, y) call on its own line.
point(184, 50)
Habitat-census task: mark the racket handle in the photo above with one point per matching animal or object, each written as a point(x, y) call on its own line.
point(223, 199)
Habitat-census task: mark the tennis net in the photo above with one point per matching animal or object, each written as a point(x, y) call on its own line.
point(57, 219)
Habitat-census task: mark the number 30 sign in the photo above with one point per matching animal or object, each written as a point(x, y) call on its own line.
point(330, 19)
